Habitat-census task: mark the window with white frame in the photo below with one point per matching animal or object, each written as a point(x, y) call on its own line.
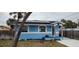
point(42, 29)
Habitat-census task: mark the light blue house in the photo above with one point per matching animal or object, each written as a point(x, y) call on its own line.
point(41, 30)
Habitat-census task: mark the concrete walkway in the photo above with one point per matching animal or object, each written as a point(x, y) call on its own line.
point(69, 42)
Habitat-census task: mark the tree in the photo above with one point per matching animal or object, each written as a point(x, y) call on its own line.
point(69, 23)
point(74, 25)
point(63, 20)
point(17, 34)
point(13, 23)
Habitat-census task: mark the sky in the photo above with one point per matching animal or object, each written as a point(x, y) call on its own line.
point(53, 16)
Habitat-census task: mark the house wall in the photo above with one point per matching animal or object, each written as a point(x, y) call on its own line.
point(26, 36)
point(33, 32)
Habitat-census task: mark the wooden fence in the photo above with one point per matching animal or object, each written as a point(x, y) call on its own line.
point(71, 33)
point(7, 34)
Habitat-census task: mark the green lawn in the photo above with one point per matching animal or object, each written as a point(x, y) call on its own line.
point(31, 43)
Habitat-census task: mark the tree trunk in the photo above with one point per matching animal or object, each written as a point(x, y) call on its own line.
point(17, 33)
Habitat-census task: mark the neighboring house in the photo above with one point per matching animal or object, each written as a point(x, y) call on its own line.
point(41, 30)
point(5, 33)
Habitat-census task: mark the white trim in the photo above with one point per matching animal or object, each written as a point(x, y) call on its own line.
point(36, 32)
point(38, 24)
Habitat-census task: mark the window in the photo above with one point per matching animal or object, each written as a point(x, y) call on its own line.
point(42, 28)
point(24, 29)
point(33, 28)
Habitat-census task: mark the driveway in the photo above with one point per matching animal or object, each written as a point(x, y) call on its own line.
point(69, 42)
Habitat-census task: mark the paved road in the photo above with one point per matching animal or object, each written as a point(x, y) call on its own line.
point(70, 42)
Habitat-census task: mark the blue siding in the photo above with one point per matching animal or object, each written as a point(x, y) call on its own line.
point(33, 28)
point(33, 35)
point(37, 36)
point(49, 29)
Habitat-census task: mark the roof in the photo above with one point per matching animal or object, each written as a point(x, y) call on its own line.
point(39, 22)
point(4, 28)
